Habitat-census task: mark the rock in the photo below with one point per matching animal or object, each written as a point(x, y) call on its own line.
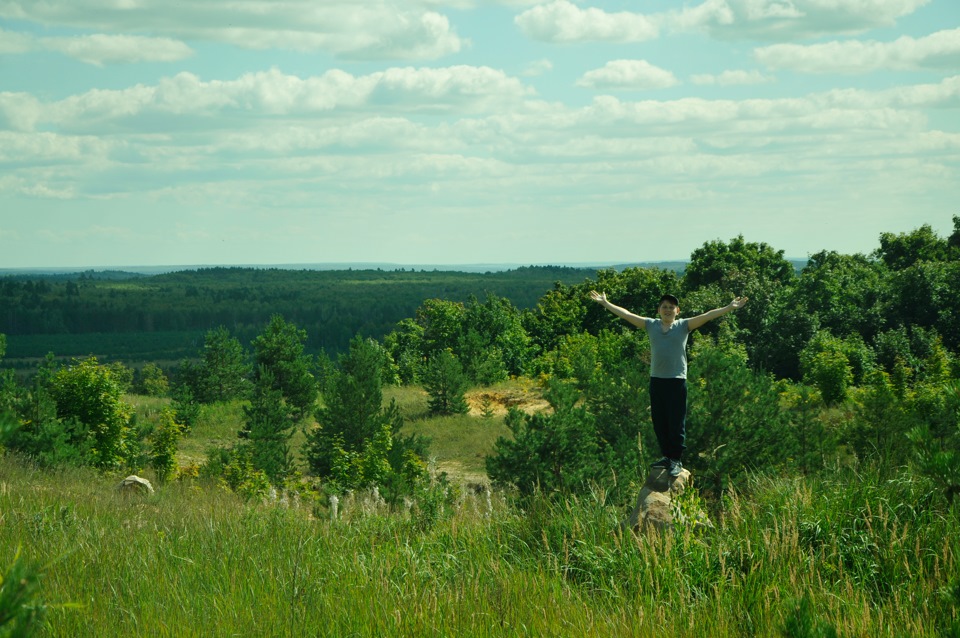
point(655, 501)
point(135, 485)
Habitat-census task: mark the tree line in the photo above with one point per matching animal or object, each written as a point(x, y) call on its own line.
point(87, 314)
point(853, 359)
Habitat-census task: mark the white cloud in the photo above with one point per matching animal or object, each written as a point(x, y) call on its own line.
point(940, 50)
point(19, 111)
point(378, 29)
point(563, 21)
point(13, 42)
point(459, 89)
point(730, 78)
point(628, 74)
point(114, 233)
point(38, 148)
point(787, 19)
point(100, 49)
point(537, 68)
point(32, 188)
point(283, 142)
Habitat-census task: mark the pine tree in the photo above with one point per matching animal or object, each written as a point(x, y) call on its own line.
point(224, 370)
point(446, 384)
point(279, 349)
point(358, 440)
point(268, 426)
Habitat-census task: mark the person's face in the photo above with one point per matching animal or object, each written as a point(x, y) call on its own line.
point(668, 311)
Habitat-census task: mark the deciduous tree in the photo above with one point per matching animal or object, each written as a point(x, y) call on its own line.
point(85, 392)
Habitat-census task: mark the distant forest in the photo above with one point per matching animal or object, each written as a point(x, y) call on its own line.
point(163, 318)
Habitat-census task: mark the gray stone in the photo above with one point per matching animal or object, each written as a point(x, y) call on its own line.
point(135, 485)
point(655, 502)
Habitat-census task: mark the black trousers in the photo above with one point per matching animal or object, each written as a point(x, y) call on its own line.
point(668, 410)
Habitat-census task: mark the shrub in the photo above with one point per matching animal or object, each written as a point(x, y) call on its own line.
point(87, 393)
point(549, 452)
point(163, 442)
point(153, 382)
point(19, 587)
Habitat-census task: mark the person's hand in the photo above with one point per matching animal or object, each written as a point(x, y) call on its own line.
point(599, 297)
point(738, 302)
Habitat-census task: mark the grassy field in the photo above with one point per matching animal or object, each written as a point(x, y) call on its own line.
point(848, 553)
point(459, 443)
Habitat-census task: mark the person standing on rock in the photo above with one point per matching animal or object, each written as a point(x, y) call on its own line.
point(668, 369)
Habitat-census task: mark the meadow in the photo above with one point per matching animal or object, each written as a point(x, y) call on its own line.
point(846, 553)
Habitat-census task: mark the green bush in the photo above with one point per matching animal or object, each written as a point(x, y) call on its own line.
point(550, 452)
point(163, 445)
point(357, 441)
point(734, 422)
point(87, 394)
point(20, 614)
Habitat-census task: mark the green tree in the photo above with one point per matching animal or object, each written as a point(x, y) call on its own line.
point(844, 292)
point(927, 294)
point(936, 437)
point(920, 349)
point(224, 370)
point(953, 241)
point(186, 408)
point(830, 372)
point(405, 345)
point(804, 405)
point(734, 419)
point(900, 251)
point(268, 427)
point(39, 433)
point(9, 423)
point(636, 289)
point(878, 429)
point(786, 332)
point(279, 349)
point(163, 445)
point(716, 261)
point(86, 393)
point(122, 376)
point(442, 323)
point(719, 270)
point(558, 451)
point(576, 357)
point(493, 343)
point(859, 357)
point(560, 312)
point(446, 384)
point(618, 397)
point(358, 438)
point(153, 382)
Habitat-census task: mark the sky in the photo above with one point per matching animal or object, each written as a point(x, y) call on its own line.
point(219, 132)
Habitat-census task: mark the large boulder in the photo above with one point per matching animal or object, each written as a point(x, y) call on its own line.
point(655, 503)
point(135, 485)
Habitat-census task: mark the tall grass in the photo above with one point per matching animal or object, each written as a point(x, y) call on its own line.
point(847, 553)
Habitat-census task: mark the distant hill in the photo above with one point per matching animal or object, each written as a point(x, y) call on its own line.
point(117, 273)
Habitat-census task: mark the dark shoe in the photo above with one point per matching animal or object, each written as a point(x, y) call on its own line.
point(675, 468)
point(664, 463)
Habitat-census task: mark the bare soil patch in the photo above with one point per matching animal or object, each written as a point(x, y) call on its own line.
point(496, 401)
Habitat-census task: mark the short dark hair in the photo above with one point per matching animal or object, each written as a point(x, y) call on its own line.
point(671, 299)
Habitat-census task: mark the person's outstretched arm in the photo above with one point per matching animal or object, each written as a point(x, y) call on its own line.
point(695, 322)
point(623, 313)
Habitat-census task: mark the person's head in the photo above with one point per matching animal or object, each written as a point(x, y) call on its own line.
point(669, 305)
